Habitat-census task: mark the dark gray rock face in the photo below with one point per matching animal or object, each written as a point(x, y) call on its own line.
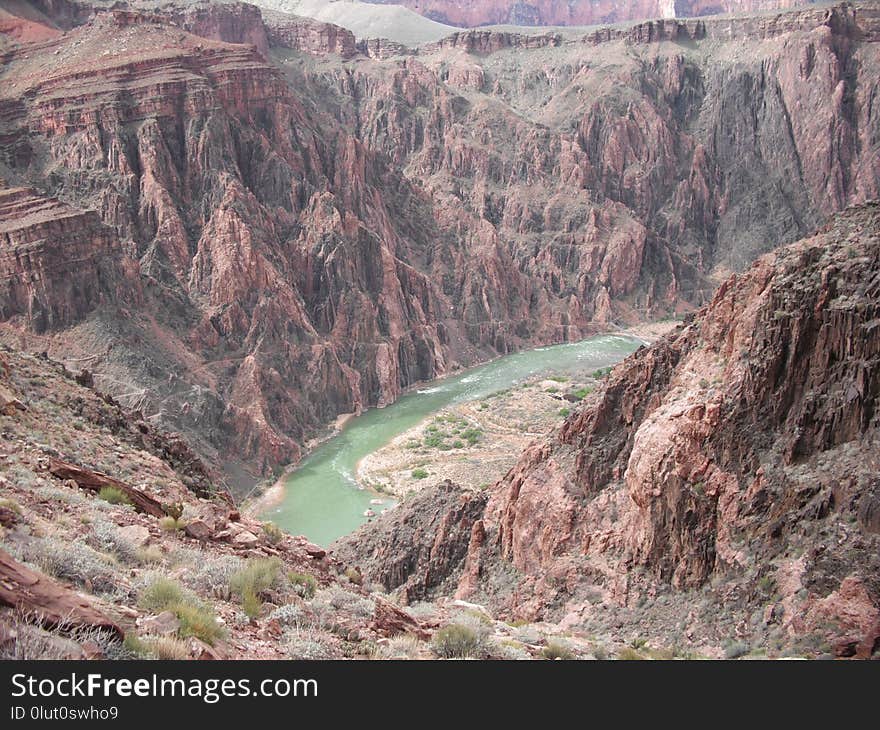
point(418, 548)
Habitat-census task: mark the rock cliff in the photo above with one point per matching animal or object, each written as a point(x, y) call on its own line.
point(272, 224)
point(730, 468)
point(272, 260)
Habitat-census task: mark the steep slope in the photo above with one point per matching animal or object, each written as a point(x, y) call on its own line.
point(273, 224)
point(110, 527)
point(218, 189)
point(726, 474)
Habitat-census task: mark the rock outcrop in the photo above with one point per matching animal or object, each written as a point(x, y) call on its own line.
point(739, 452)
point(253, 212)
point(309, 36)
point(422, 544)
point(57, 263)
point(49, 603)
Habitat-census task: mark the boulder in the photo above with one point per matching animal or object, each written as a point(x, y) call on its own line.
point(245, 539)
point(137, 534)
point(198, 529)
point(389, 620)
point(163, 624)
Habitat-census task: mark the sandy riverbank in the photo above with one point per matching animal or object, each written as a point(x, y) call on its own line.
point(274, 494)
point(475, 443)
point(472, 443)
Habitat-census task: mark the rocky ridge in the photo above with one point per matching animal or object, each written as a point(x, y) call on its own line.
point(288, 216)
point(729, 468)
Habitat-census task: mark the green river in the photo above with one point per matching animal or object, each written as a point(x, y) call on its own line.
point(322, 499)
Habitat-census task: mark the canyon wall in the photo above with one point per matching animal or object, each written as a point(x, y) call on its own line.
point(620, 169)
point(729, 468)
point(271, 224)
point(274, 279)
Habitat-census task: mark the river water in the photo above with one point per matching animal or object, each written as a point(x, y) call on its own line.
point(322, 499)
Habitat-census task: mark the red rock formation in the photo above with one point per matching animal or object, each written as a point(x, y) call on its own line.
point(710, 434)
point(94, 481)
point(623, 174)
point(421, 545)
point(309, 36)
point(50, 603)
point(349, 228)
point(56, 263)
point(741, 449)
point(575, 12)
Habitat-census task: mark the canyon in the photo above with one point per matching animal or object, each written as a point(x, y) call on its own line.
point(223, 226)
point(265, 210)
point(722, 484)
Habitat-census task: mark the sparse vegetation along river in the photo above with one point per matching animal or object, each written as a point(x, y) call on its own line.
point(322, 499)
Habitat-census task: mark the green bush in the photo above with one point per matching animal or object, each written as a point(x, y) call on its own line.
point(171, 524)
point(136, 646)
point(303, 584)
point(564, 412)
point(196, 619)
point(459, 640)
point(767, 584)
point(354, 576)
point(258, 575)
point(458, 444)
point(419, 473)
point(273, 533)
point(472, 435)
point(582, 393)
point(557, 650)
point(161, 593)
point(114, 495)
